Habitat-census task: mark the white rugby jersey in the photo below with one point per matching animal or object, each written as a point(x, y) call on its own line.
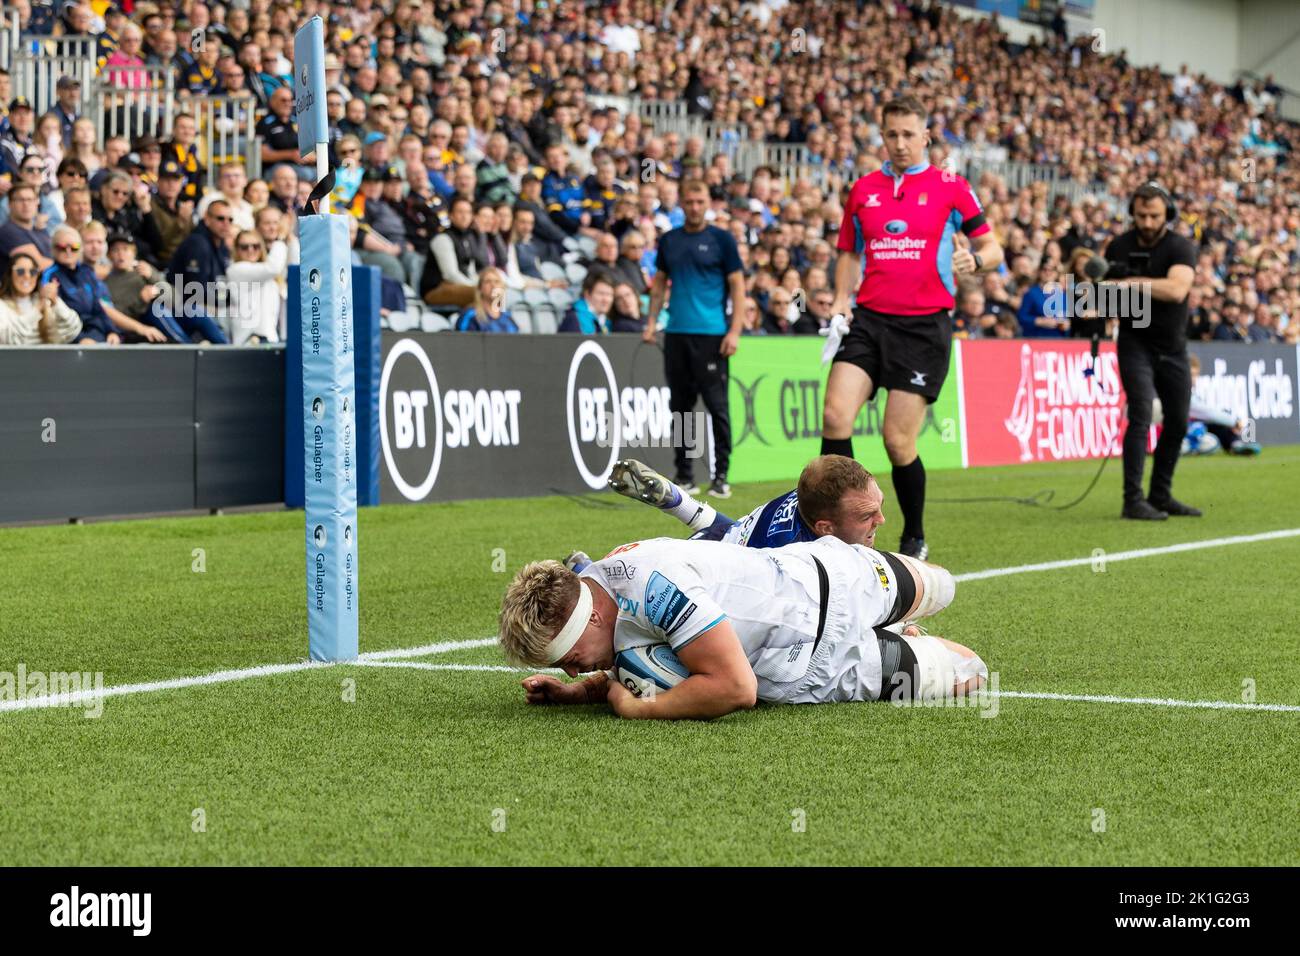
point(671, 591)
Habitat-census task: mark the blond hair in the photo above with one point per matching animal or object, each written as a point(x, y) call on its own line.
point(537, 603)
point(480, 304)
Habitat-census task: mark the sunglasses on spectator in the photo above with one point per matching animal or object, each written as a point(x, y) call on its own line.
point(24, 273)
point(31, 169)
point(250, 247)
point(73, 172)
point(64, 247)
point(223, 218)
point(120, 192)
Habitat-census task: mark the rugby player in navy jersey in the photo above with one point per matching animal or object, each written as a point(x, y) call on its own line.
point(835, 496)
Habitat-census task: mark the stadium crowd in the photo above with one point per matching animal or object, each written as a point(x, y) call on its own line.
point(495, 186)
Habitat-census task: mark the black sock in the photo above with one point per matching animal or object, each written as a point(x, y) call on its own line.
point(909, 487)
point(837, 446)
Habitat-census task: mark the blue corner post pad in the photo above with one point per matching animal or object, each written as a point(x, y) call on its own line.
point(366, 336)
point(329, 437)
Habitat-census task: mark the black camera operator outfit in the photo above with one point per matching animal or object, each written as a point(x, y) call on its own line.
point(1153, 362)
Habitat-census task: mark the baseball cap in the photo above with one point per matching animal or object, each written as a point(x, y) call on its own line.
point(117, 237)
point(375, 137)
point(379, 99)
point(146, 144)
point(68, 83)
point(19, 103)
point(130, 161)
point(391, 175)
point(373, 174)
point(170, 167)
point(332, 62)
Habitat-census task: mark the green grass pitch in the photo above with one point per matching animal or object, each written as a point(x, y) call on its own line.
point(448, 766)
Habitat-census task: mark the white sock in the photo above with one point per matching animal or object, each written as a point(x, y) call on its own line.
point(694, 514)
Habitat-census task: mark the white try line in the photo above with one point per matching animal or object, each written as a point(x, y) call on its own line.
point(376, 658)
point(428, 666)
point(1111, 556)
point(1005, 694)
point(1148, 701)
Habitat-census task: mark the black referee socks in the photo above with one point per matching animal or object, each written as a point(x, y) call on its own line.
point(837, 446)
point(909, 487)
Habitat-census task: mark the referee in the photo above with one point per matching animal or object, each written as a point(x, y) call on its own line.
point(1152, 350)
point(904, 220)
point(704, 267)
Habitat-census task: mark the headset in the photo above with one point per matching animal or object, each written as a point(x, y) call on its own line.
point(1153, 190)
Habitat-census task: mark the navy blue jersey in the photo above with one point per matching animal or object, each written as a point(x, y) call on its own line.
point(771, 525)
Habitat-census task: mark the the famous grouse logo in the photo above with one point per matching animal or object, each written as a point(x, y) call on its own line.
point(1060, 411)
point(1039, 401)
point(1021, 420)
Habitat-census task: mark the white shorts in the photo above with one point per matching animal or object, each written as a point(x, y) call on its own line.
point(846, 663)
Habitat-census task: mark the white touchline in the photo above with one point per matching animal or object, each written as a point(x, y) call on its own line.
point(381, 657)
point(76, 698)
point(218, 677)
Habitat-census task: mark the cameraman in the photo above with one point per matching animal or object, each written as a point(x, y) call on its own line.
point(1153, 347)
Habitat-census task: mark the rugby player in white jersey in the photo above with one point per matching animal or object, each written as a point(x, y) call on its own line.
point(804, 623)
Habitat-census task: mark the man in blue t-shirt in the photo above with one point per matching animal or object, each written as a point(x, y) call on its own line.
point(697, 270)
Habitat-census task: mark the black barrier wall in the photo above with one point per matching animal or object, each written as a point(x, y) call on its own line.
point(100, 431)
point(1257, 384)
point(483, 416)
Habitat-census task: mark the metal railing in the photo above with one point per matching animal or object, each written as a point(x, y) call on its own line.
point(790, 160)
point(1018, 175)
point(145, 107)
point(8, 39)
point(35, 65)
point(227, 132)
point(225, 125)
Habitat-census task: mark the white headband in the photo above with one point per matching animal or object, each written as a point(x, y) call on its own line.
point(573, 627)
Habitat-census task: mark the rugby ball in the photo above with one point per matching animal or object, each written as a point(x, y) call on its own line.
point(645, 670)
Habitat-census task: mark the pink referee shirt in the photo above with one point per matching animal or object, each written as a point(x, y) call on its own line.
point(903, 226)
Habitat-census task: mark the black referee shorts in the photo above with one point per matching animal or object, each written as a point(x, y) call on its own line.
point(904, 352)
